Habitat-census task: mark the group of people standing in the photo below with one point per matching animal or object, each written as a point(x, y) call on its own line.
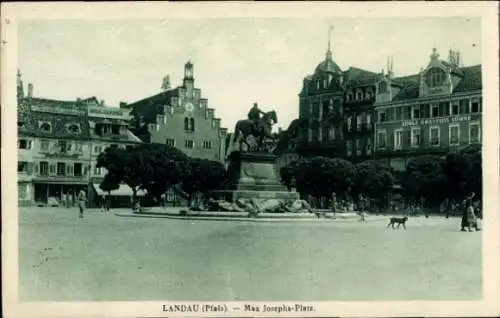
point(470, 214)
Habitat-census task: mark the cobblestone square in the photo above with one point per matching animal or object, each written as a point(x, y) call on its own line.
point(106, 257)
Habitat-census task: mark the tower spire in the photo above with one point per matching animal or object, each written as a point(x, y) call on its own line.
point(20, 86)
point(329, 49)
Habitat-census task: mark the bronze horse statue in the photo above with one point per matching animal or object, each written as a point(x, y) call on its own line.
point(260, 130)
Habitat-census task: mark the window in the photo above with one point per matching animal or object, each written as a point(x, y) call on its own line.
point(475, 107)
point(434, 110)
point(415, 137)
point(381, 139)
point(454, 131)
point(368, 95)
point(79, 147)
point(359, 95)
point(348, 147)
point(358, 147)
point(368, 120)
point(153, 127)
point(415, 112)
point(61, 169)
point(44, 168)
point(73, 128)
point(398, 113)
point(189, 144)
point(188, 124)
point(464, 106)
point(349, 123)
point(207, 144)
point(474, 133)
point(97, 149)
point(77, 170)
point(44, 145)
point(115, 129)
point(368, 146)
point(398, 139)
point(435, 77)
point(69, 146)
point(22, 166)
point(359, 122)
point(434, 134)
point(162, 119)
point(24, 144)
point(382, 87)
point(97, 171)
point(45, 127)
point(454, 108)
point(382, 116)
point(331, 133)
point(170, 142)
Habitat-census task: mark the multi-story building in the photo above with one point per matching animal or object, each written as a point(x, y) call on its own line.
point(432, 112)
point(58, 144)
point(180, 117)
point(336, 111)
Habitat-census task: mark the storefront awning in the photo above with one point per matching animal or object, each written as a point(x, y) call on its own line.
point(123, 190)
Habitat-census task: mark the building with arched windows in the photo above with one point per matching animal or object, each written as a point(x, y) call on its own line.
point(58, 145)
point(435, 111)
point(181, 118)
point(336, 111)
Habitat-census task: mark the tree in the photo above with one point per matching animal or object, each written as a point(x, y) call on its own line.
point(424, 178)
point(464, 171)
point(373, 179)
point(153, 167)
point(320, 176)
point(288, 172)
point(203, 176)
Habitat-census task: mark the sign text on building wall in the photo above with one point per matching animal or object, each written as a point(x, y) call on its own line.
point(99, 111)
point(435, 121)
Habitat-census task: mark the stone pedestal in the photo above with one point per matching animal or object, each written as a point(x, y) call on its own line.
point(254, 176)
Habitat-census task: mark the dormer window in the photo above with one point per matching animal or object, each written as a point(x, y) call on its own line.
point(73, 128)
point(359, 95)
point(435, 77)
point(382, 87)
point(45, 127)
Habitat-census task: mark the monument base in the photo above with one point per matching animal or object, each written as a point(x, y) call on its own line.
point(254, 176)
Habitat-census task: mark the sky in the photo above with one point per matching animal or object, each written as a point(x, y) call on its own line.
point(237, 61)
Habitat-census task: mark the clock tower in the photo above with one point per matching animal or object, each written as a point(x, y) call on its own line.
point(188, 78)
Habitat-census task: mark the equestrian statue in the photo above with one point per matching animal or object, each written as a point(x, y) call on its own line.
point(258, 125)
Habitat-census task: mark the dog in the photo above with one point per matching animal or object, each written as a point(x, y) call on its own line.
point(398, 221)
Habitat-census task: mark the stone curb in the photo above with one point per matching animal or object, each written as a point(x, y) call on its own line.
point(263, 217)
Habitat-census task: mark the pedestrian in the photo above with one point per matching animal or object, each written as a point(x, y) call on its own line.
point(334, 205)
point(82, 198)
point(362, 209)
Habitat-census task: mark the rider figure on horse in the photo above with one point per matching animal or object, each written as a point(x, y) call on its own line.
point(254, 115)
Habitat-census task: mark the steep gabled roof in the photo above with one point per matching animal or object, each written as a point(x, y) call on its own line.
point(151, 106)
point(471, 80)
point(359, 77)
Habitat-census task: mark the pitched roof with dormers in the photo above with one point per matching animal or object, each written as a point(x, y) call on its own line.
point(471, 80)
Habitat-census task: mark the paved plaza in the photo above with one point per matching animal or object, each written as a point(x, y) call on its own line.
point(107, 257)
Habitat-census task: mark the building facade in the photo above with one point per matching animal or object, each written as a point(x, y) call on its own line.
point(58, 145)
point(180, 117)
point(435, 111)
point(336, 111)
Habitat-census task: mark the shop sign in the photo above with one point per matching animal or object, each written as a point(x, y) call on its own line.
point(435, 121)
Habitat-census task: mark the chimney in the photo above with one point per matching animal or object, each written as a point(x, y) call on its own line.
point(101, 103)
point(30, 90)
